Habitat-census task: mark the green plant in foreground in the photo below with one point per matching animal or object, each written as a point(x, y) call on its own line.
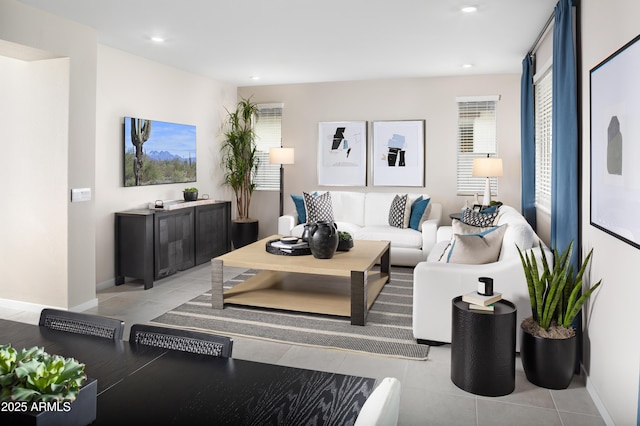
point(554, 295)
point(34, 375)
point(192, 189)
point(344, 236)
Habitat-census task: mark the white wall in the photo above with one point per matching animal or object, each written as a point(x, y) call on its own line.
point(431, 99)
point(131, 86)
point(612, 347)
point(36, 29)
point(33, 172)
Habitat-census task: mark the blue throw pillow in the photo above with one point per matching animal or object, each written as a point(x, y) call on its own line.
point(417, 210)
point(488, 210)
point(298, 201)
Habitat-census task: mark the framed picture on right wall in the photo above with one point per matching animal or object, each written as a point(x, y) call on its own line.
point(398, 153)
point(615, 143)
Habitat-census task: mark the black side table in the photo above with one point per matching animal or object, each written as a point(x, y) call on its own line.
point(483, 348)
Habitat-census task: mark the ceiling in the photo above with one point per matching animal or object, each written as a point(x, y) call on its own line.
point(303, 41)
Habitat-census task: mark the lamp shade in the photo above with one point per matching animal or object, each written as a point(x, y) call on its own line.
point(487, 167)
point(281, 155)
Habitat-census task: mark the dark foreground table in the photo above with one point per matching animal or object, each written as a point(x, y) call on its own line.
point(157, 386)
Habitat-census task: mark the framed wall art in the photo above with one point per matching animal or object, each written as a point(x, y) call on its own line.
point(615, 143)
point(398, 153)
point(342, 153)
point(158, 152)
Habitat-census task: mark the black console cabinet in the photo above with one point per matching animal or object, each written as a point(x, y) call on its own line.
point(153, 244)
point(173, 241)
point(213, 231)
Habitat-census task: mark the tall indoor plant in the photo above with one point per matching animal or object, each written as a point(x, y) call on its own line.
point(549, 344)
point(240, 162)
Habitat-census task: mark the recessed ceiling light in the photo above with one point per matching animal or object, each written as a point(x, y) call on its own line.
point(467, 65)
point(254, 77)
point(469, 9)
point(157, 39)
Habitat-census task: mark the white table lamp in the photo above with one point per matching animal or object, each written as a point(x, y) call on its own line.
point(487, 167)
point(281, 156)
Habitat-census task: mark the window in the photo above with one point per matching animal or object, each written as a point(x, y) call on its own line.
point(268, 128)
point(543, 111)
point(476, 138)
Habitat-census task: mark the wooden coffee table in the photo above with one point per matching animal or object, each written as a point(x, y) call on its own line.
point(344, 285)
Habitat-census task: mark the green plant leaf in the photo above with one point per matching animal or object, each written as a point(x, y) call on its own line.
point(39, 376)
point(24, 394)
point(573, 310)
point(554, 294)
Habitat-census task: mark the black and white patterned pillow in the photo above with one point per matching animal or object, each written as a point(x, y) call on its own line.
point(318, 207)
point(400, 211)
point(478, 218)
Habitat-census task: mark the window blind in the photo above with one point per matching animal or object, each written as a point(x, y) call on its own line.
point(543, 125)
point(268, 128)
point(476, 138)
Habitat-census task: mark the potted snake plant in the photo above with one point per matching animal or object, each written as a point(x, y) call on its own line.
point(548, 348)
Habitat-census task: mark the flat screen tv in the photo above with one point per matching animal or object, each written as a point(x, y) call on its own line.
point(157, 152)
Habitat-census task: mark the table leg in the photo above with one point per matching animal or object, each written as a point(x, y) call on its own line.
point(385, 263)
point(217, 297)
point(359, 297)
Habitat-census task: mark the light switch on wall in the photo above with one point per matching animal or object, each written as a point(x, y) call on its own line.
point(80, 194)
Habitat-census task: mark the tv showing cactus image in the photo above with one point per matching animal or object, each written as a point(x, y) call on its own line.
point(158, 152)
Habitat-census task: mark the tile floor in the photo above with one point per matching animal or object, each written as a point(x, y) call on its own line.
point(428, 395)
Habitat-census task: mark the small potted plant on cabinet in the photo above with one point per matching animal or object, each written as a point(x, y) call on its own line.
point(240, 162)
point(190, 194)
point(41, 389)
point(548, 348)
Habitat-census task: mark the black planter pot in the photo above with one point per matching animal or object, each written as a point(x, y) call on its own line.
point(345, 245)
point(80, 412)
point(548, 363)
point(190, 196)
point(244, 232)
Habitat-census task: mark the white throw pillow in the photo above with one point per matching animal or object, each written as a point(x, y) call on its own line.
point(475, 249)
point(459, 227)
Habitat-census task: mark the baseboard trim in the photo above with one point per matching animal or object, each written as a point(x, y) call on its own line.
point(24, 306)
point(106, 284)
point(591, 390)
point(36, 307)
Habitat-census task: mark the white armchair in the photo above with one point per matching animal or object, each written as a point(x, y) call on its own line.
point(382, 408)
point(436, 283)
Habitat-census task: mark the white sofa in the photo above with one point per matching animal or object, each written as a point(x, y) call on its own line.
point(365, 215)
point(436, 283)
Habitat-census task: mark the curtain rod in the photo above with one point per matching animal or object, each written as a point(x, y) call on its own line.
point(544, 30)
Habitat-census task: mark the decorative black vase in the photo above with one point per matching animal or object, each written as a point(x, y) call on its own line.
point(323, 239)
point(548, 363)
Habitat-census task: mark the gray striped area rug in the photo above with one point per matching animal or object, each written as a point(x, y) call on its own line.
point(388, 331)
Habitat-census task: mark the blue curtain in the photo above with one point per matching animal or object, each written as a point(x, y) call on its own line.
point(564, 163)
point(528, 143)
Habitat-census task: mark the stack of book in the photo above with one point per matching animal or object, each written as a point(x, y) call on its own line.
point(479, 302)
